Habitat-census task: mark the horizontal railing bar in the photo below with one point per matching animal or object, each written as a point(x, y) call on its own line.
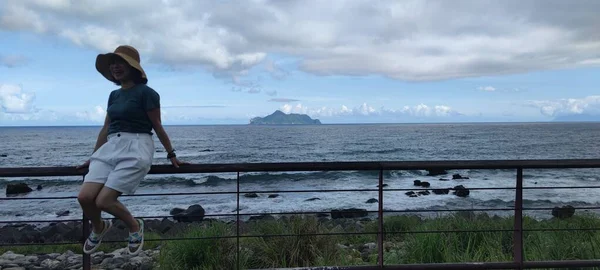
point(561, 264)
point(324, 166)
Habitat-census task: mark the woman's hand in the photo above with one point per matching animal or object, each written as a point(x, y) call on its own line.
point(86, 164)
point(176, 163)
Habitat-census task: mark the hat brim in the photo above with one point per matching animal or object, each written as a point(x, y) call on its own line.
point(103, 62)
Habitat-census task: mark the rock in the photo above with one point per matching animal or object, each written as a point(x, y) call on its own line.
point(424, 192)
point(18, 188)
point(75, 259)
point(372, 200)
point(165, 225)
point(312, 199)
point(348, 213)
point(39, 187)
point(566, 211)
point(425, 184)
point(138, 263)
point(251, 195)
point(193, 213)
point(176, 211)
point(441, 191)
point(384, 185)
point(417, 183)
point(434, 172)
point(11, 256)
point(97, 257)
point(53, 256)
point(461, 191)
point(273, 195)
point(261, 217)
point(444, 179)
point(3, 155)
point(63, 213)
point(458, 176)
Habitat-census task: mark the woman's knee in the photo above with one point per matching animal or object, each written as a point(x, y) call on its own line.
point(103, 202)
point(86, 198)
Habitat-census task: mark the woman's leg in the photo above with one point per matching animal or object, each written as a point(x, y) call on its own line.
point(108, 201)
point(87, 199)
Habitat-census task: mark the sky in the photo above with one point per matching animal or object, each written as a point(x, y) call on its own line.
point(354, 61)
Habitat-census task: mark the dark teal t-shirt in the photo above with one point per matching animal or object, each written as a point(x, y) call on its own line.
point(127, 109)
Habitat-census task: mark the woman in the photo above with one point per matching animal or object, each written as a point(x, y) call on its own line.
point(124, 149)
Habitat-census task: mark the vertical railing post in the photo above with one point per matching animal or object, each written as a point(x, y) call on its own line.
point(85, 227)
point(518, 224)
point(380, 220)
point(237, 216)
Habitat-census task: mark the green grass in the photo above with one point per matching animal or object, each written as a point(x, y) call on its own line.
point(400, 248)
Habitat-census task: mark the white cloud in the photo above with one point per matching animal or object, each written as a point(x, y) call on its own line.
point(14, 100)
point(589, 105)
point(97, 115)
point(409, 40)
point(487, 88)
point(418, 111)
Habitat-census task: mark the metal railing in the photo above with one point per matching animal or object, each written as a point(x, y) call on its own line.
point(518, 261)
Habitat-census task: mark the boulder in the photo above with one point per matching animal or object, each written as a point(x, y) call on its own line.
point(39, 187)
point(425, 184)
point(251, 195)
point(566, 211)
point(372, 200)
point(461, 191)
point(434, 172)
point(348, 213)
point(312, 199)
point(411, 194)
point(417, 183)
point(444, 179)
point(176, 211)
point(18, 188)
point(63, 213)
point(261, 217)
point(193, 213)
point(441, 191)
point(458, 176)
point(273, 195)
point(424, 192)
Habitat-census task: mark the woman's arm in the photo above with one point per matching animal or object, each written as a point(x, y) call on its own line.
point(154, 116)
point(103, 134)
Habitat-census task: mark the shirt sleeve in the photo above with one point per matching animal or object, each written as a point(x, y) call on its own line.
point(151, 99)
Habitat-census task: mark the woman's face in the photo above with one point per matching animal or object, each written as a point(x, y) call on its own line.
point(119, 69)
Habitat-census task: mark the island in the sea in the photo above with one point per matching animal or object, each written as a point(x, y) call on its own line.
point(281, 118)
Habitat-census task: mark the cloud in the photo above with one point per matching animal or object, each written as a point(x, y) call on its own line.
point(283, 100)
point(408, 40)
point(13, 60)
point(14, 100)
point(487, 88)
point(418, 111)
point(97, 114)
point(589, 105)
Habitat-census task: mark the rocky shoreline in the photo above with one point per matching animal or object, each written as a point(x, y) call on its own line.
point(118, 259)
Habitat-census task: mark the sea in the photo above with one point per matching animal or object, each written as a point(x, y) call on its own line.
point(71, 146)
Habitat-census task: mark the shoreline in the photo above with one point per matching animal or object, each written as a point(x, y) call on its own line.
point(405, 241)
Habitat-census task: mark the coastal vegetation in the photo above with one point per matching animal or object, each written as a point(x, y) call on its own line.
point(273, 242)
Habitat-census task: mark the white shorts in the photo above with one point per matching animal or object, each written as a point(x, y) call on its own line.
point(122, 162)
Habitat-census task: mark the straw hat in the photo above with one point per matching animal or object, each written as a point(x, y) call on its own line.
point(128, 53)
